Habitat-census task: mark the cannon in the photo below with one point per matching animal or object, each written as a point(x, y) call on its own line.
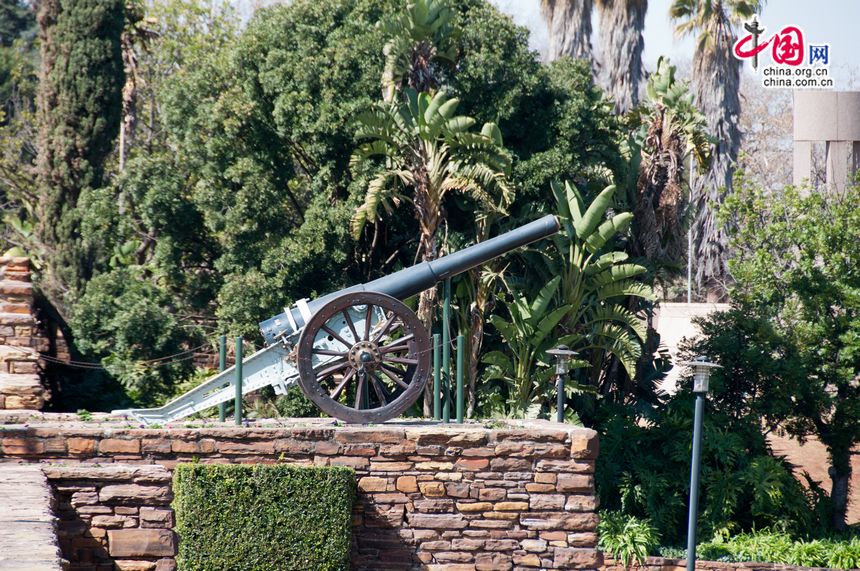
point(359, 354)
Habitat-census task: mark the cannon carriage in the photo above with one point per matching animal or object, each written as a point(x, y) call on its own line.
point(360, 354)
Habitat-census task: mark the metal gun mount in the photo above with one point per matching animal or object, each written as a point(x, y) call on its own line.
point(359, 354)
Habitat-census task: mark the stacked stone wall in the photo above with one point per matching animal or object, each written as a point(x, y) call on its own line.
point(20, 340)
point(438, 498)
point(114, 517)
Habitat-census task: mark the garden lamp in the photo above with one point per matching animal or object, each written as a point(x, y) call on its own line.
point(701, 378)
point(563, 355)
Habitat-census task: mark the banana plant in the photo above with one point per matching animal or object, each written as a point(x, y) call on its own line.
point(527, 335)
point(596, 281)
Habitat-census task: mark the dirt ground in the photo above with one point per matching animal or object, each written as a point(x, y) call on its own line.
point(812, 458)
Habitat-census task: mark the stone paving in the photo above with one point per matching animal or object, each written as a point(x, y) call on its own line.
point(27, 525)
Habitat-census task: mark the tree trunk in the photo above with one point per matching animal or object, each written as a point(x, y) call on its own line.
point(621, 45)
point(569, 23)
point(716, 82)
point(476, 340)
point(428, 214)
point(840, 475)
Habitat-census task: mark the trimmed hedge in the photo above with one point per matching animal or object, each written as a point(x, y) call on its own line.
point(263, 517)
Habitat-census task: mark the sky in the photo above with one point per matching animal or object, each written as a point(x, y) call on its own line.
point(823, 21)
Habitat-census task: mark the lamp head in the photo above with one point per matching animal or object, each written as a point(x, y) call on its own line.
point(563, 356)
point(701, 372)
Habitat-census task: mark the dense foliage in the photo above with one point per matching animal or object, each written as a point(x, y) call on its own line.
point(263, 517)
point(778, 547)
point(79, 115)
point(792, 342)
point(237, 192)
point(643, 470)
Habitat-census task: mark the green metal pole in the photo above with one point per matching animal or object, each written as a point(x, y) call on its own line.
point(238, 401)
point(695, 468)
point(437, 384)
point(461, 343)
point(446, 351)
point(222, 364)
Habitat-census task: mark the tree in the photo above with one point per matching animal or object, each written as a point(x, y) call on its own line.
point(796, 266)
point(569, 23)
point(79, 112)
point(667, 128)
point(420, 39)
point(580, 304)
point(429, 150)
point(621, 45)
point(716, 84)
point(16, 18)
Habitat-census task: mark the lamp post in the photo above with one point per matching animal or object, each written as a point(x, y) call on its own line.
point(701, 377)
point(563, 356)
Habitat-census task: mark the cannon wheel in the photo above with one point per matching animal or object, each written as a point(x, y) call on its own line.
point(379, 370)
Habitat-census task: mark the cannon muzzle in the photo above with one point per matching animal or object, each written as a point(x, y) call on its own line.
point(415, 279)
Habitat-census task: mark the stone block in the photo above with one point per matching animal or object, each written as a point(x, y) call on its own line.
point(473, 507)
point(119, 446)
point(576, 558)
point(141, 543)
point(472, 464)
point(432, 489)
point(134, 493)
point(533, 545)
point(407, 484)
point(581, 503)
point(81, 446)
point(156, 517)
point(493, 562)
point(437, 521)
point(373, 484)
point(130, 565)
point(575, 483)
point(511, 506)
point(548, 502)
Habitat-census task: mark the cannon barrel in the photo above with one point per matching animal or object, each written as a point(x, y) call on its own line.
point(415, 279)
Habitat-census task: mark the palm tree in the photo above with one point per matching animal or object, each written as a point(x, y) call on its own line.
point(426, 149)
point(621, 45)
point(716, 84)
point(569, 23)
point(420, 39)
point(670, 129)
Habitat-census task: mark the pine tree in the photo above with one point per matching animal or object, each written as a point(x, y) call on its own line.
point(79, 107)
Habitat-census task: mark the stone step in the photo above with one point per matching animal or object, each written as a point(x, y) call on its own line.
point(16, 288)
point(20, 384)
point(7, 318)
point(28, 538)
point(21, 392)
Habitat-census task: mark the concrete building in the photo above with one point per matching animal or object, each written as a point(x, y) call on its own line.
point(826, 127)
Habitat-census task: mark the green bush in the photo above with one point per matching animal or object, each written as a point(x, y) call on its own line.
point(263, 517)
point(626, 538)
point(778, 547)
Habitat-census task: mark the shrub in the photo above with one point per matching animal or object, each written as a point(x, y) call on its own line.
point(778, 547)
point(626, 538)
point(263, 517)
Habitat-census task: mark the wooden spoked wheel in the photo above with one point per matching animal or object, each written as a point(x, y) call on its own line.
point(364, 358)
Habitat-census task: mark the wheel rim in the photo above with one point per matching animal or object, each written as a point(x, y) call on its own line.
point(364, 357)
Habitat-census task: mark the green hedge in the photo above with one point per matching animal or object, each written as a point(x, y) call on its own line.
point(263, 517)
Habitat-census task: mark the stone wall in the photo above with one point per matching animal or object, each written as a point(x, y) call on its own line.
point(20, 340)
point(114, 517)
point(435, 497)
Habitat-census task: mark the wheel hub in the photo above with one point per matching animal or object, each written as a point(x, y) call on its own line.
point(364, 355)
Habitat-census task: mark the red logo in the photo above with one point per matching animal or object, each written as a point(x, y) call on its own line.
point(788, 48)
